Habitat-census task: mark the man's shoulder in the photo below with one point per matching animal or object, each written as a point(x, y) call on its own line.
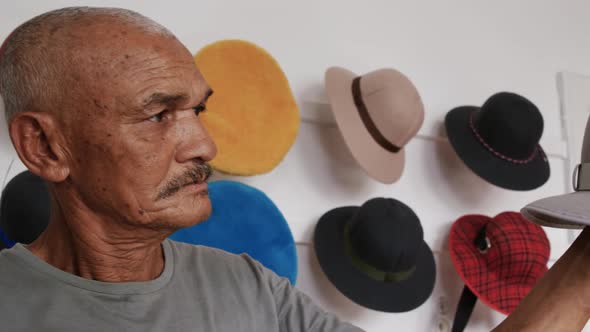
point(219, 268)
point(200, 251)
point(210, 257)
point(10, 262)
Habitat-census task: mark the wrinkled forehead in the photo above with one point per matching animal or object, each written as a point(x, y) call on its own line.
point(128, 66)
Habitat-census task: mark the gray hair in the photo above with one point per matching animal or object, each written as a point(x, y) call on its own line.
point(28, 77)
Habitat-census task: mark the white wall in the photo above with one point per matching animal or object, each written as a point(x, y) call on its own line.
point(456, 52)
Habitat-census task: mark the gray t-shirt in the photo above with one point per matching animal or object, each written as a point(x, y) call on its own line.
point(200, 289)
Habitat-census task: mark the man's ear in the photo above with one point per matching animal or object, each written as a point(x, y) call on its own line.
point(39, 145)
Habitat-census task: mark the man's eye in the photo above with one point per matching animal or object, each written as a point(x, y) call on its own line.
point(200, 109)
point(157, 117)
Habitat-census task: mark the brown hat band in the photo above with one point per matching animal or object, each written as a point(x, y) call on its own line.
point(369, 124)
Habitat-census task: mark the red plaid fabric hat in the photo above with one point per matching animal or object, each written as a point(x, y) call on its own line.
point(500, 259)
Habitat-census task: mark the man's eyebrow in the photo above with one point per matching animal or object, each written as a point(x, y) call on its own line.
point(207, 95)
point(159, 98)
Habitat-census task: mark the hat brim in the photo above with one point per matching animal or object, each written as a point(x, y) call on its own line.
point(377, 295)
point(569, 211)
point(378, 163)
point(463, 232)
point(485, 164)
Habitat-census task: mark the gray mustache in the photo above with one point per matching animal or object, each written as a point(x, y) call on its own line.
point(198, 174)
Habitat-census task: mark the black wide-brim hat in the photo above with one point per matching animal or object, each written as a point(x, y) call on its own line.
point(24, 208)
point(399, 296)
point(488, 165)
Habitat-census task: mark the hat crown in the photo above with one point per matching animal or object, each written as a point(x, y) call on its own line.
point(25, 207)
point(519, 250)
point(386, 234)
point(393, 103)
point(510, 124)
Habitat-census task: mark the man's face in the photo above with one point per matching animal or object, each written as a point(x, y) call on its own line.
point(137, 148)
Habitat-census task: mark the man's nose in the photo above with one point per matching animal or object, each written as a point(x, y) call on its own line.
point(194, 141)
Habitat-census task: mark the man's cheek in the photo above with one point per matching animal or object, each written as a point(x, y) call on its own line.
point(147, 177)
point(151, 159)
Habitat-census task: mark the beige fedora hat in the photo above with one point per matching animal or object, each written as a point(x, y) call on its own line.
point(570, 210)
point(377, 114)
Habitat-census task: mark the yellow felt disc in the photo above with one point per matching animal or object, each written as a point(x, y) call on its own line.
point(252, 115)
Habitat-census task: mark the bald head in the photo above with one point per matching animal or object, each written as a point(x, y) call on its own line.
point(40, 62)
point(104, 105)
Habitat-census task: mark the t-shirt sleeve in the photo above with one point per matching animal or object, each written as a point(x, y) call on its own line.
point(296, 311)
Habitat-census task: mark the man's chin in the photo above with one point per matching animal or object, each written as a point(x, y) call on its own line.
point(193, 211)
point(181, 212)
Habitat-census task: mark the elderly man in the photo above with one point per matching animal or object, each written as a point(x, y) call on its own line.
point(104, 105)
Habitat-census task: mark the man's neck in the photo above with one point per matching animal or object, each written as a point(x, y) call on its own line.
point(99, 250)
